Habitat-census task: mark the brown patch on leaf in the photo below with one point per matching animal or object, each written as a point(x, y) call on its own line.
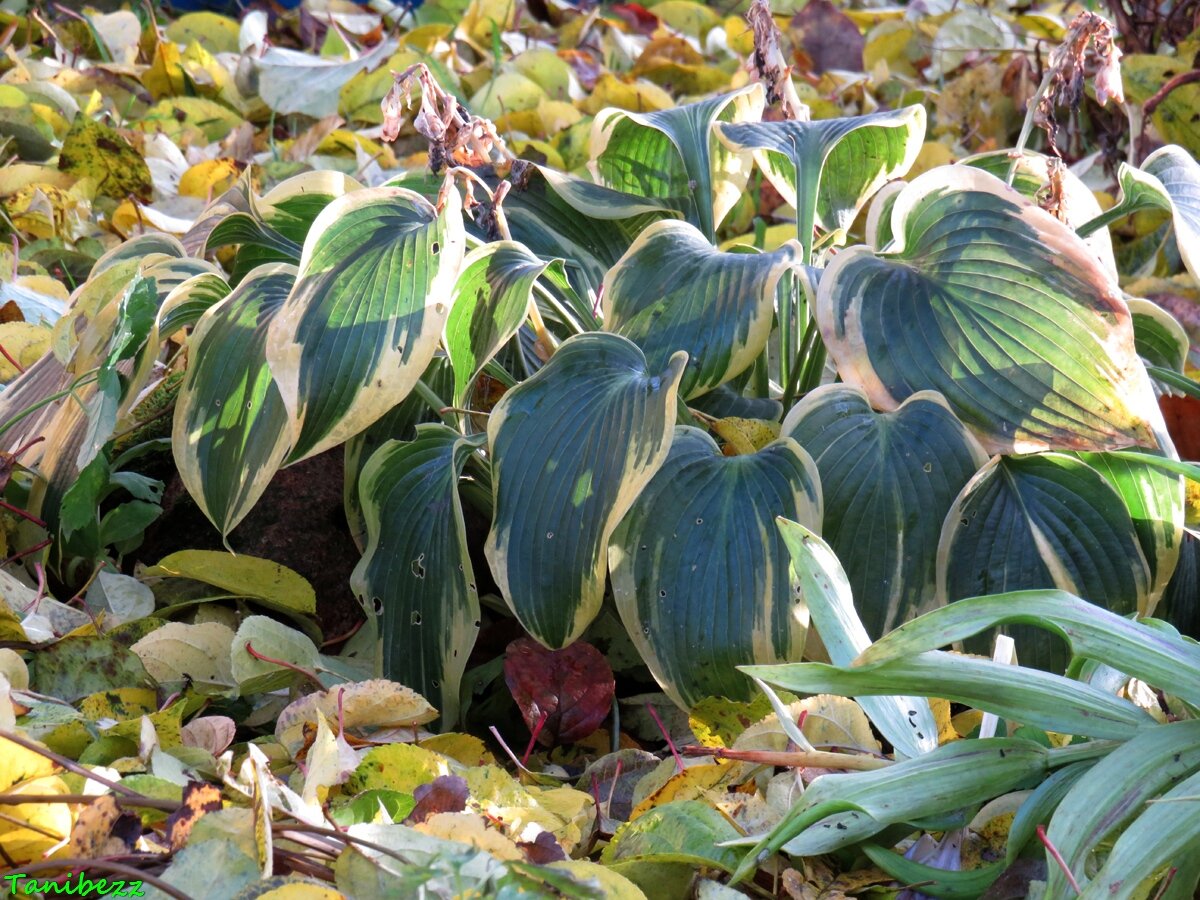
point(198, 798)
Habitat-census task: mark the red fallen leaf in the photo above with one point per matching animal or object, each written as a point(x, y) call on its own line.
point(639, 18)
point(830, 38)
point(568, 691)
point(1183, 423)
point(446, 793)
point(542, 850)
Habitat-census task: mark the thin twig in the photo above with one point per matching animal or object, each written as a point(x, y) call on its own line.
point(1161, 94)
point(820, 759)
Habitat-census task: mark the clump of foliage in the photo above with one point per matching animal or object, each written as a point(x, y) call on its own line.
point(709, 384)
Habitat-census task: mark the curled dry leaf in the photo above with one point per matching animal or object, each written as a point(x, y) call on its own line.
point(211, 733)
point(1089, 48)
point(563, 695)
point(456, 137)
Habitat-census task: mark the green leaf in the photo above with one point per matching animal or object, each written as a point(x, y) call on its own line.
point(366, 314)
point(1000, 307)
point(683, 831)
point(571, 449)
point(1113, 793)
point(955, 775)
point(1161, 341)
point(888, 480)
point(828, 169)
point(230, 432)
point(1015, 693)
point(1045, 521)
point(271, 639)
point(945, 884)
point(1153, 655)
point(672, 290)
point(416, 571)
point(188, 301)
point(276, 587)
point(398, 424)
point(1179, 175)
point(1157, 840)
point(907, 722)
point(490, 301)
point(589, 226)
point(78, 666)
point(1155, 501)
point(1039, 806)
point(673, 154)
point(699, 571)
point(1031, 177)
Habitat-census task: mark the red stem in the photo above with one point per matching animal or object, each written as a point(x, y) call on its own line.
point(12, 362)
point(537, 729)
point(311, 676)
point(22, 513)
point(670, 743)
point(1053, 851)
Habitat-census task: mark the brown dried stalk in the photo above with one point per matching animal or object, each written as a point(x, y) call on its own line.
point(456, 137)
point(768, 65)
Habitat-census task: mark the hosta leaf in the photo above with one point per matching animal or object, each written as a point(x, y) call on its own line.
point(699, 571)
point(1046, 521)
point(1015, 693)
point(1179, 173)
point(953, 776)
point(1111, 794)
point(1160, 339)
point(907, 722)
point(366, 314)
point(189, 300)
point(1153, 655)
point(230, 432)
point(1000, 307)
point(572, 448)
point(1169, 179)
point(828, 169)
point(888, 480)
point(589, 226)
point(674, 291)
point(1155, 501)
point(397, 424)
point(416, 570)
point(1032, 177)
point(672, 154)
point(490, 301)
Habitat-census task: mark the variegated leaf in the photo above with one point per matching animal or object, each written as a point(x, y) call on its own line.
point(1044, 521)
point(398, 424)
point(366, 314)
point(674, 291)
point(998, 306)
point(230, 432)
point(700, 572)
point(1155, 501)
point(491, 300)
point(888, 480)
point(828, 169)
point(673, 155)
point(572, 448)
point(416, 571)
